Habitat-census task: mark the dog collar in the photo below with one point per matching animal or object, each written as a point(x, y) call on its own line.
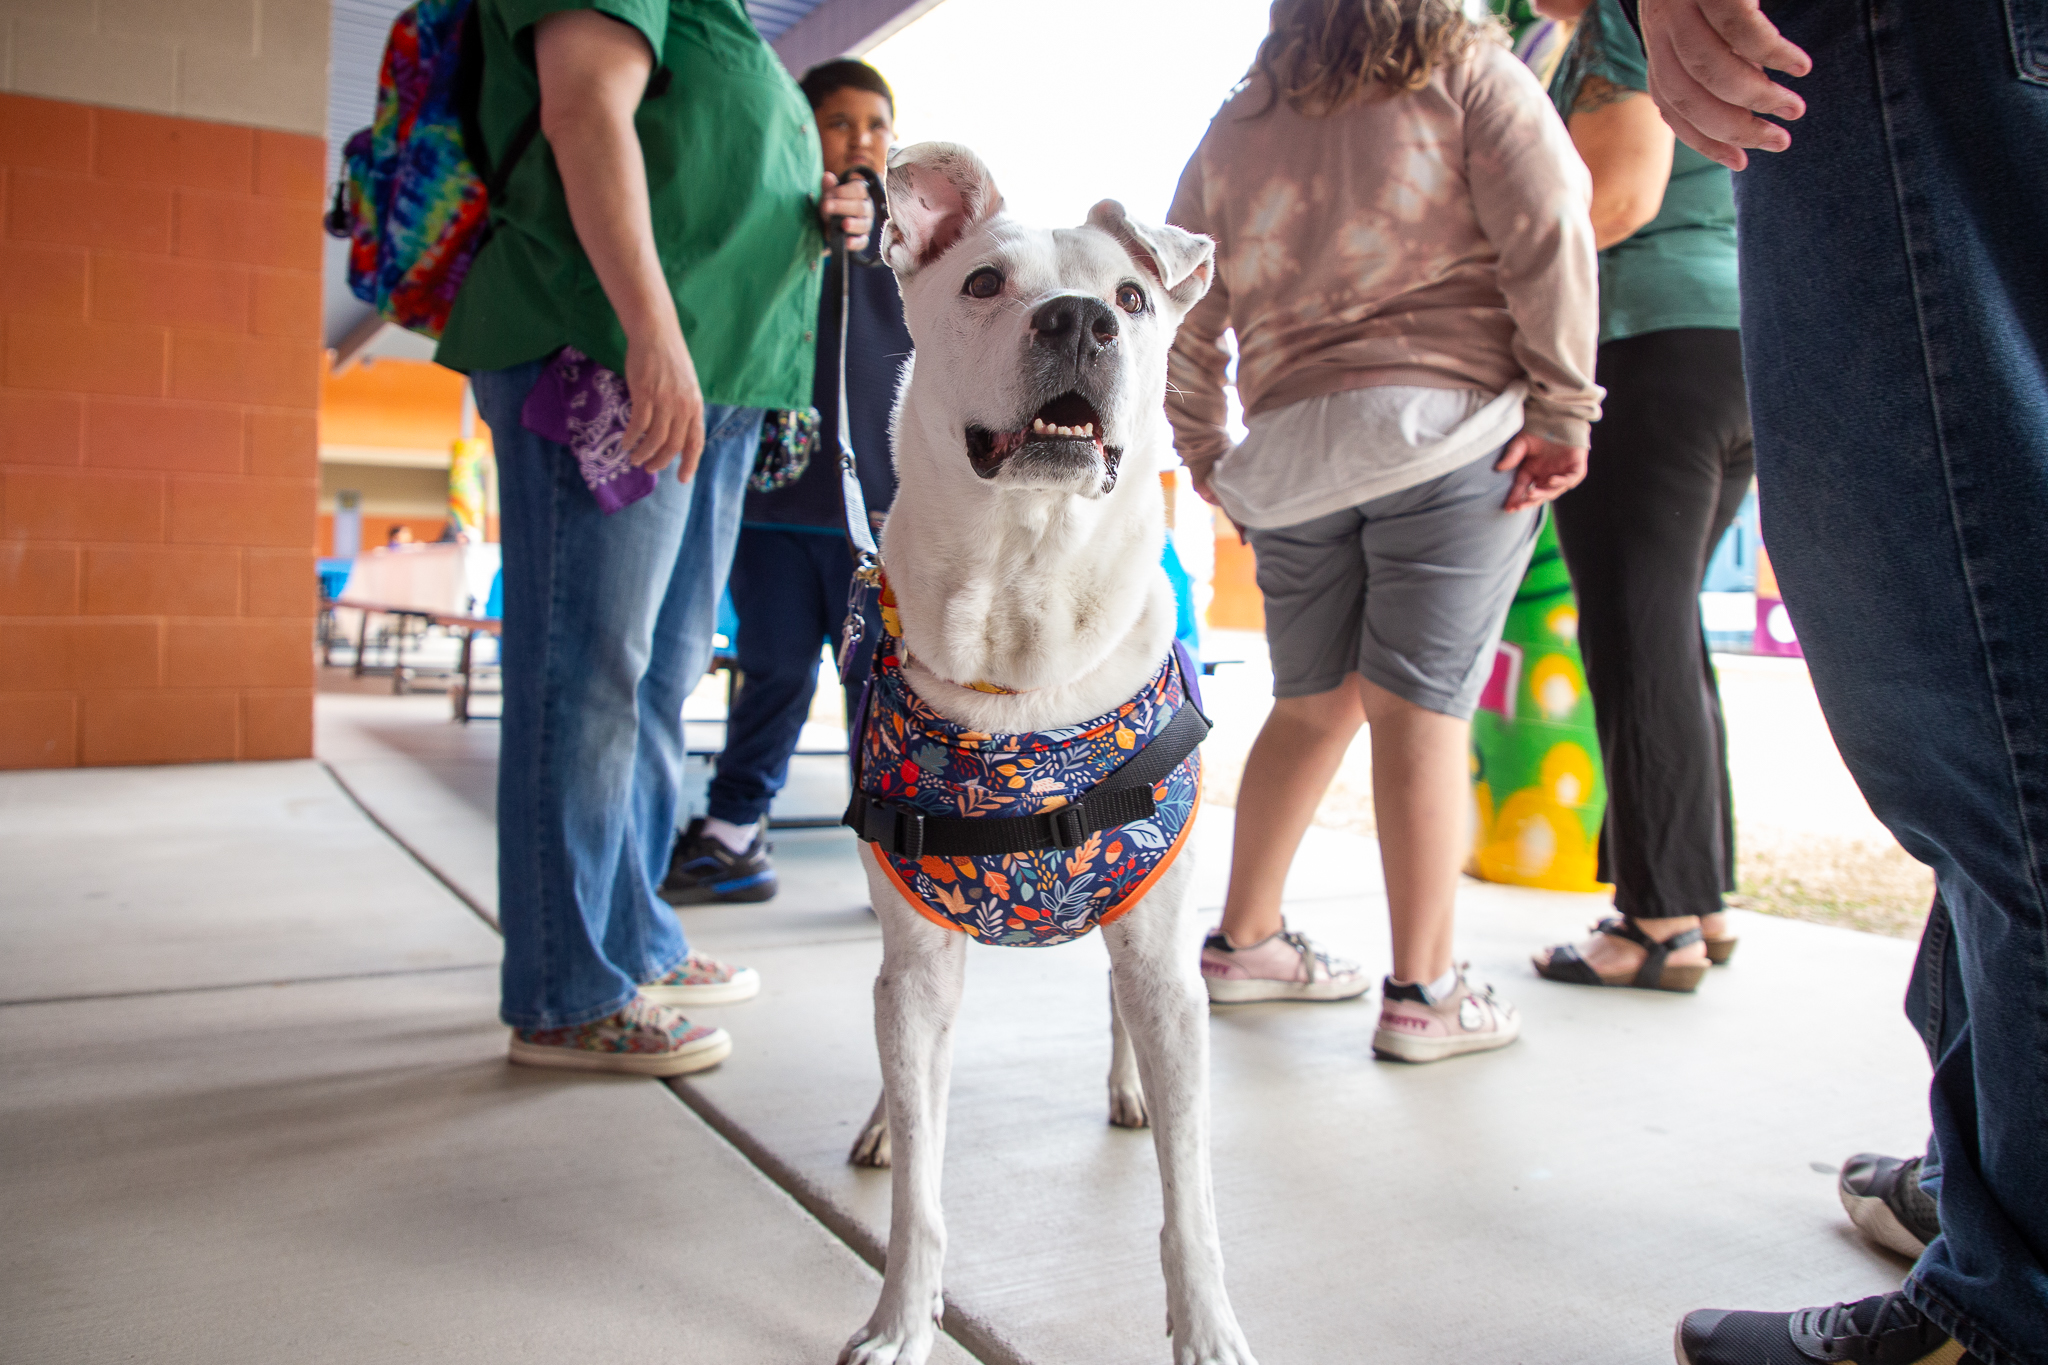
point(892, 626)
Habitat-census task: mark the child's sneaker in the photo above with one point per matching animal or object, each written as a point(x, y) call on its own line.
point(1284, 966)
point(1414, 1028)
point(700, 980)
point(642, 1038)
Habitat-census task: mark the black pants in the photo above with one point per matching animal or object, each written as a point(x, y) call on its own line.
point(1671, 463)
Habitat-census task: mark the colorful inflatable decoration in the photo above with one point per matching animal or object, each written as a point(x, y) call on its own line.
point(1538, 791)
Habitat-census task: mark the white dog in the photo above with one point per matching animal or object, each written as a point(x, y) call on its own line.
point(1023, 556)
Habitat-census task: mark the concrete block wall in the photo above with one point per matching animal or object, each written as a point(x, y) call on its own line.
point(159, 380)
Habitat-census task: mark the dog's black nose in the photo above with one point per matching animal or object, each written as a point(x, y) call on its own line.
point(1075, 324)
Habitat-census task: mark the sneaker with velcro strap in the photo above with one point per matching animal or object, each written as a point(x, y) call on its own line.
point(1282, 966)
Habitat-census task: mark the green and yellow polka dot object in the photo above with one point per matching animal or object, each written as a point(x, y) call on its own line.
point(1538, 792)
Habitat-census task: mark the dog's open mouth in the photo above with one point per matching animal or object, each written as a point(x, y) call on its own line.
point(1068, 425)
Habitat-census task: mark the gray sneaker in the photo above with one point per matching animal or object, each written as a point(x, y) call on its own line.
point(1884, 1200)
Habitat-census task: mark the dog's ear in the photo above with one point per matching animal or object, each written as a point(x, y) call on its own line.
point(1184, 263)
point(937, 191)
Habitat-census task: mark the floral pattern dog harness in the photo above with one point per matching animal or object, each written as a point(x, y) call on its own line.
point(913, 758)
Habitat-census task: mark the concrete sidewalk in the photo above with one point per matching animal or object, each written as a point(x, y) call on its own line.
point(1558, 1203)
point(255, 1108)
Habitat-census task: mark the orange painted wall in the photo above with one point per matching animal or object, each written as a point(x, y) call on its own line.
point(1237, 604)
point(160, 299)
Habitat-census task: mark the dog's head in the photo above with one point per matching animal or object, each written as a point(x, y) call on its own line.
point(1048, 346)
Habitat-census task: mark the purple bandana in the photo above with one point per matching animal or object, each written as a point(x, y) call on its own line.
point(584, 406)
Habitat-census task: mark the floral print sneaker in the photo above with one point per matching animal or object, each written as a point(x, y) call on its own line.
point(1414, 1028)
point(701, 980)
point(641, 1038)
point(1282, 966)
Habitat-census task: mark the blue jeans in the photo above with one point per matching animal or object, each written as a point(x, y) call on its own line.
point(608, 625)
point(1895, 334)
point(789, 588)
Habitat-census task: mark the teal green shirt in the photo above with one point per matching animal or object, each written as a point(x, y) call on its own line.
point(1678, 270)
point(733, 171)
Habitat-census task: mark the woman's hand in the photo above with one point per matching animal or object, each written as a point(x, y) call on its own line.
point(593, 71)
point(668, 406)
point(1543, 470)
point(1707, 63)
point(847, 201)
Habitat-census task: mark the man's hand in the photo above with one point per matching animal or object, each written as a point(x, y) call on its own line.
point(1707, 62)
point(1543, 470)
point(849, 202)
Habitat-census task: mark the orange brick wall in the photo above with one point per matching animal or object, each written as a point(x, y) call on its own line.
point(160, 299)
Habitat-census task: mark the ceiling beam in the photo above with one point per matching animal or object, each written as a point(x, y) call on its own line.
point(846, 28)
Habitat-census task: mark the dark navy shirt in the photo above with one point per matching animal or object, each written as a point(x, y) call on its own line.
point(877, 345)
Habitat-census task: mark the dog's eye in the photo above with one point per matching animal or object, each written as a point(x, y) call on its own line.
point(1131, 299)
point(984, 283)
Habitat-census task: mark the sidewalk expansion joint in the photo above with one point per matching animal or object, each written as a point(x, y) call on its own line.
point(974, 1334)
point(476, 907)
point(250, 985)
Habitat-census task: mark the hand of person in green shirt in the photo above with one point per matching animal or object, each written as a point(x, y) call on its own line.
point(593, 73)
point(1707, 64)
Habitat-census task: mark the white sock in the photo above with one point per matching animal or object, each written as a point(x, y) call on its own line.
point(736, 838)
point(1440, 989)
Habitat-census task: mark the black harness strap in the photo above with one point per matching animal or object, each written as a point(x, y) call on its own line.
point(1125, 795)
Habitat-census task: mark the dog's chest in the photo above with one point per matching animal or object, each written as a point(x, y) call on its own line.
point(912, 757)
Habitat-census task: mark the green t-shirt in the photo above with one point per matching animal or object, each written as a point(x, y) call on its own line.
point(733, 171)
point(1678, 270)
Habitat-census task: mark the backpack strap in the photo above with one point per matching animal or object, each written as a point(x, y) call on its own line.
point(1123, 796)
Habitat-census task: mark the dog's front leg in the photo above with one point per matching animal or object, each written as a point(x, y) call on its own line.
point(1160, 999)
point(916, 997)
point(1126, 1090)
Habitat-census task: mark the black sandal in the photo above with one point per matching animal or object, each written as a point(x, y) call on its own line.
point(1563, 962)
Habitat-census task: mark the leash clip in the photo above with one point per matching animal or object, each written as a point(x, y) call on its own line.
point(1069, 828)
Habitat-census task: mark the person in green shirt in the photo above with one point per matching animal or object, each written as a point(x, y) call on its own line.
point(659, 244)
point(1671, 462)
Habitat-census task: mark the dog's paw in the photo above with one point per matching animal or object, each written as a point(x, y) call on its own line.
point(871, 1148)
point(893, 1343)
point(1210, 1341)
point(1127, 1107)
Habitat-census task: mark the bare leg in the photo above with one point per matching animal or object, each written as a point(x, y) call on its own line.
point(916, 997)
point(1159, 997)
point(1126, 1091)
point(1285, 776)
point(1421, 803)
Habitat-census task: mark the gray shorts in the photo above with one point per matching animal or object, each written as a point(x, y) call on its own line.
point(1411, 589)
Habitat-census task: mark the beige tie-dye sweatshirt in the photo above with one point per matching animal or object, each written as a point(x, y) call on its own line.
point(1437, 238)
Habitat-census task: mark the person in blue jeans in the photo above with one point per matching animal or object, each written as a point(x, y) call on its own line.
point(1895, 330)
point(792, 570)
point(666, 225)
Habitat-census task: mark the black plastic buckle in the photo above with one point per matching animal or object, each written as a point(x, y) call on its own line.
point(909, 833)
point(1069, 827)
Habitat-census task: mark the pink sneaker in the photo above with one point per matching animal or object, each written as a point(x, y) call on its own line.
point(1284, 966)
point(641, 1038)
point(700, 980)
point(1412, 1029)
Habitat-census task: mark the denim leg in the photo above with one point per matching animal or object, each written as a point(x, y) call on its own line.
point(781, 592)
point(682, 651)
point(582, 593)
point(1895, 324)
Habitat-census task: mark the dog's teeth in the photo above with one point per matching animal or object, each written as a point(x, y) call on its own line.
point(1088, 430)
point(1038, 424)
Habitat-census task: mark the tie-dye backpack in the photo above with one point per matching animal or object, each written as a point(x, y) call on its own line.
point(414, 198)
